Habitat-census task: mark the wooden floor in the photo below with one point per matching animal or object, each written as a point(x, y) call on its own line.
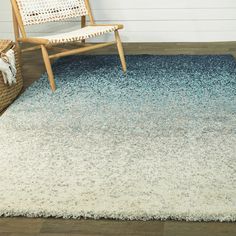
point(32, 69)
point(59, 227)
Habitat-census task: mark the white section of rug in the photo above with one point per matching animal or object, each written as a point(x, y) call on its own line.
point(123, 147)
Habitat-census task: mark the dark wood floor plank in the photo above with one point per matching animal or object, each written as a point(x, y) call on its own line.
point(40, 234)
point(19, 234)
point(103, 227)
point(20, 225)
point(199, 229)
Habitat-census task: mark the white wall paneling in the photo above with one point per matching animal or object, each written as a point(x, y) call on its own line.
point(150, 20)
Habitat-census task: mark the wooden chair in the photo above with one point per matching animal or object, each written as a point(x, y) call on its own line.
point(31, 12)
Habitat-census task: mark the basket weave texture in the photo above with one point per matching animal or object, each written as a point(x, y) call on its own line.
point(9, 93)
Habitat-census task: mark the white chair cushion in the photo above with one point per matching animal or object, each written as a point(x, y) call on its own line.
point(80, 34)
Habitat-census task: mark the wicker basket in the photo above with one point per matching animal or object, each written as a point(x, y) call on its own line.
point(9, 93)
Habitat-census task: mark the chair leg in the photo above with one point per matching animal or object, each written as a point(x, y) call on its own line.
point(48, 68)
point(121, 51)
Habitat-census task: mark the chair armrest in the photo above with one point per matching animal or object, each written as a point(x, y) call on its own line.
point(33, 40)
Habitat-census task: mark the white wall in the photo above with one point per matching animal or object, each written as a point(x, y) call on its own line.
point(152, 20)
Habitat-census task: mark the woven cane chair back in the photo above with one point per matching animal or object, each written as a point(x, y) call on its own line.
point(43, 11)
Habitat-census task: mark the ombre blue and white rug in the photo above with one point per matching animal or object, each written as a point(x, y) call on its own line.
point(156, 143)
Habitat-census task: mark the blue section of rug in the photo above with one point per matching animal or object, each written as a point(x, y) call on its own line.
point(170, 87)
point(155, 143)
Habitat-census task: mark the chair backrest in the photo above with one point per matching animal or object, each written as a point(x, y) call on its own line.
point(42, 11)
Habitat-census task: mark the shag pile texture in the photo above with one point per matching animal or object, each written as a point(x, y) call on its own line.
point(156, 143)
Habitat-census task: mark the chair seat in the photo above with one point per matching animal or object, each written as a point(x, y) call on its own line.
point(80, 34)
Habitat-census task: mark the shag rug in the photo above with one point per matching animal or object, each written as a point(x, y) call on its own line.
point(156, 143)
